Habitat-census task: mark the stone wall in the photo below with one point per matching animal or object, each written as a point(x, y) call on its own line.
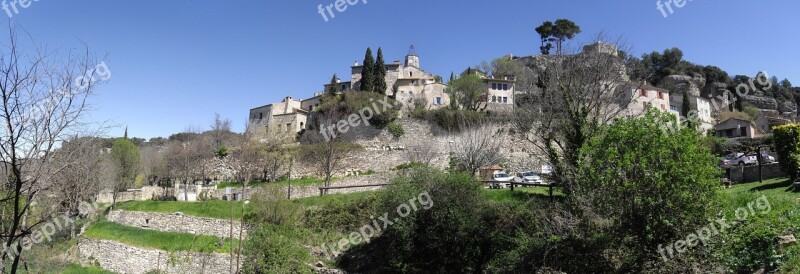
point(422, 142)
point(176, 223)
point(750, 173)
point(121, 258)
point(139, 194)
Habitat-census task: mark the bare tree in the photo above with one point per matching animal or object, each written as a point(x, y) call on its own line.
point(80, 179)
point(565, 100)
point(422, 150)
point(478, 146)
point(219, 129)
point(44, 99)
point(327, 150)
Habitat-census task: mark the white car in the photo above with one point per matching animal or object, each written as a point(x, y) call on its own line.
point(499, 178)
point(528, 177)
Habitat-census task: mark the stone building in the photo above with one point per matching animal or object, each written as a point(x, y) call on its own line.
point(406, 82)
point(499, 90)
point(287, 116)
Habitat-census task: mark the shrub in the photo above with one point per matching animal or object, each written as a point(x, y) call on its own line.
point(449, 119)
point(787, 146)
point(396, 130)
point(353, 102)
point(651, 186)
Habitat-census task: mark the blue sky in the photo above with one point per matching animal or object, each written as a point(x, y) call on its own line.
point(175, 63)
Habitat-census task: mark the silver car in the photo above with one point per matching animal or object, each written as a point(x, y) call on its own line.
point(528, 177)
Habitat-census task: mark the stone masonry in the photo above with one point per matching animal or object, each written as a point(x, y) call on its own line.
point(176, 223)
point(121, 258)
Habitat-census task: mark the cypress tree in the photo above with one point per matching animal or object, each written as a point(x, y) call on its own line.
point(332, 87)
point(368, 72)
point(380, 73)
point(452, 78)
point(686, 107)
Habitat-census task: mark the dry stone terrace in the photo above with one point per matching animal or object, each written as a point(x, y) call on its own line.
point(177, 222)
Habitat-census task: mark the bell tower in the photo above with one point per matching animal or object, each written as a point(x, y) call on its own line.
point(412, 60)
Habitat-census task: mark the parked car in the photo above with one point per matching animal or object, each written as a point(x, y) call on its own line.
point(739, 159)
point(528, 177)
point(500, 178)
point(766, 157)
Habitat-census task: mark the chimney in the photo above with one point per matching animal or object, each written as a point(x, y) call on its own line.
point(355, 64)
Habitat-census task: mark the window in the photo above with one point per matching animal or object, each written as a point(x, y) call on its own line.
point(494, 86)
point(260, 115)
point(674, 108)
point(644, 105)
point(302, 125)
point(661, 95)
point(643, 93)
point(288, 127)
point(505, 100)
point(743, 132)
point(505, 86)
point(410, 74)
point(344, 87)
point(438, 101)
point(663, 107)
point(494, 99)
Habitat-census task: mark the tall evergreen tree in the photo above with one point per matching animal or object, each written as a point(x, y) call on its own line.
point(452, 77)
point(333, 85)
point(380, 73)
point(368, 72)
point(686, 107)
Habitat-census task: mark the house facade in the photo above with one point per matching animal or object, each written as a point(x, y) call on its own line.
point(699, 104)
point(287, 116)
point(639, 97)
point(738, 128)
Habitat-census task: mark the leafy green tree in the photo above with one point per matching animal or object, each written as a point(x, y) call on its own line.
point(469, 92)
point(787, 145)
point(368, 72)
point(127, 160)
point(380, 73)
point(716, 75)
point(653, 186)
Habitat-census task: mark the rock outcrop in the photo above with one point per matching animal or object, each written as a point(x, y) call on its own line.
point(682, 83)
point(761, 102)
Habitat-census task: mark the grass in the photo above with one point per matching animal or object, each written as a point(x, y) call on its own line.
point(211, 209)
point(168, 241)
point(520, 194)
point(77, 269)
point(344, 198)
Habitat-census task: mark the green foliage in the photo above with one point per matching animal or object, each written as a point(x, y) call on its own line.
point(468, 92)
point(333, 85)
point(273, 249)
point(368, 72)
point(380, 73)
point(451, 120)
point(222, 152)
point(127, 160)
point(787, 146)
point(396, 130)
point(354, 102)
point(668, 180)
point(169, 241)
point(557, 33)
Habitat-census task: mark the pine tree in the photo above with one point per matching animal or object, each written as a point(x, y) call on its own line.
point(332, 87)
point(380, 73)
point(368, 72)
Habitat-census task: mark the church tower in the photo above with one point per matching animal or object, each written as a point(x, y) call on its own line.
point(412, 60)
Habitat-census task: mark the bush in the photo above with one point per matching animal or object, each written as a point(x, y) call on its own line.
point(787, 146)
point(396, 130)
point(449, 119)
point(353, 102)
point(651, 186)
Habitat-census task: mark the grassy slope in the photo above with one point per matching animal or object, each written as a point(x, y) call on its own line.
point(168, 241)
point(211, 209)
